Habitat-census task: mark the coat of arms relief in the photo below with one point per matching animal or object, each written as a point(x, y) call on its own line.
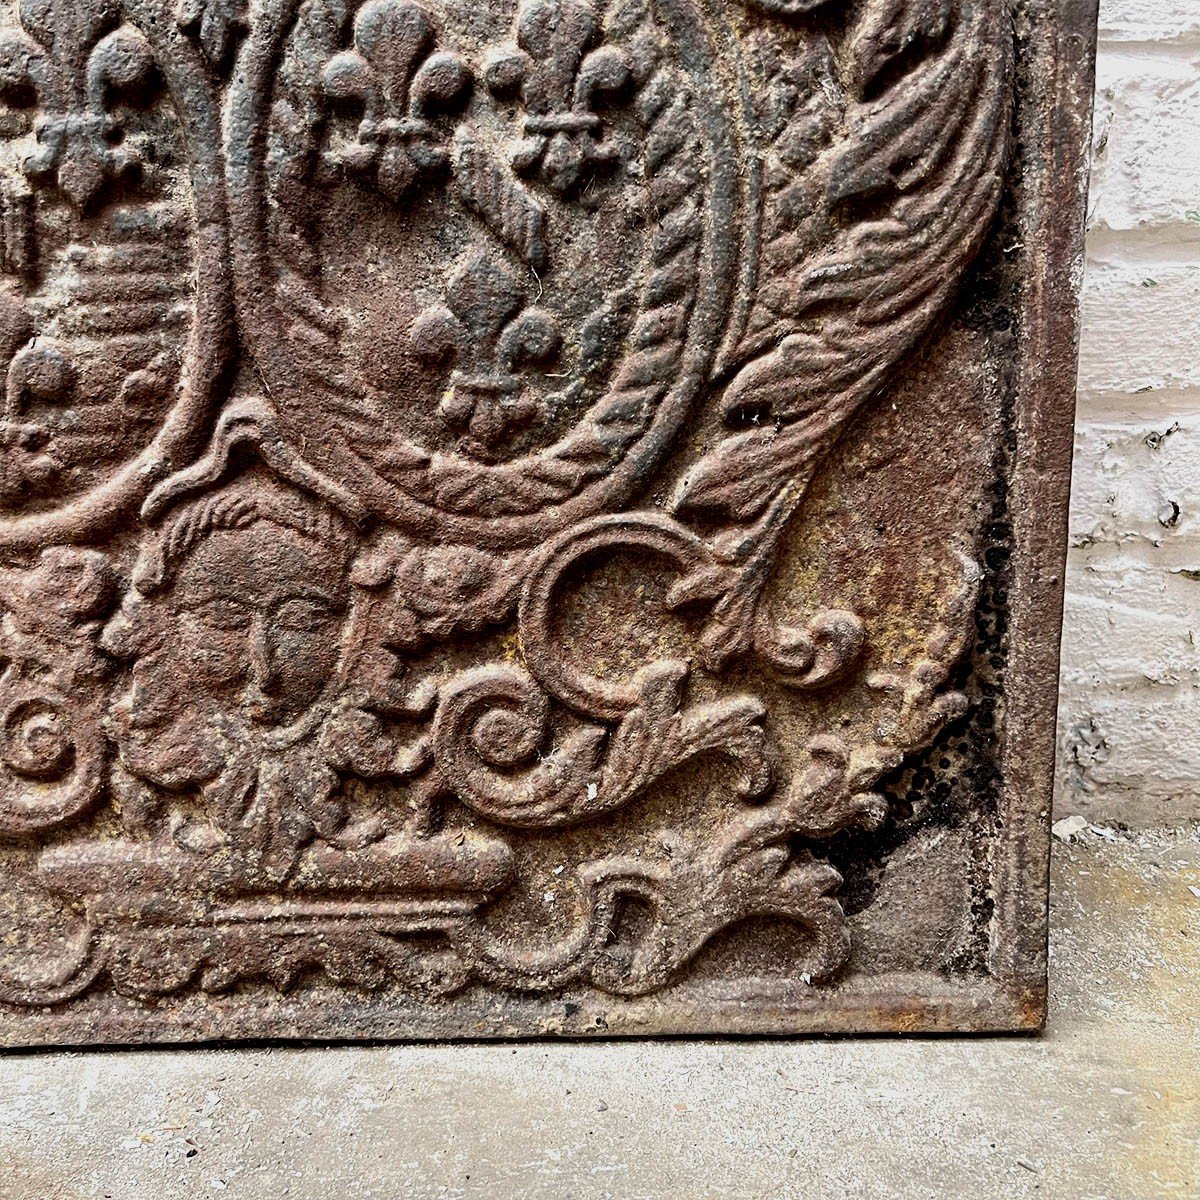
point(418, 479)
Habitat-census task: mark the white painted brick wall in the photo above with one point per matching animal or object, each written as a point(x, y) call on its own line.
point(1129, 726)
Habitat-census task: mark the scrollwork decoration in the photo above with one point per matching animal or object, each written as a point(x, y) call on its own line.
point(52, 690)
point(497, 718)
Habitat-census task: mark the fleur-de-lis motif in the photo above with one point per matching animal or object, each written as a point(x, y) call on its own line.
point(487, 330)
point(401, 83)
point(560, 73)
point(71, 61)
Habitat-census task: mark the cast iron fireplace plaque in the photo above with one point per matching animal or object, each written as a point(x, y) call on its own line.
point(532, 517)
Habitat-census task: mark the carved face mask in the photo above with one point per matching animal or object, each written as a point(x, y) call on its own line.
point(235, 626)
point(258, 617)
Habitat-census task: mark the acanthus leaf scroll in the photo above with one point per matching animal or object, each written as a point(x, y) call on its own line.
point(480, 269)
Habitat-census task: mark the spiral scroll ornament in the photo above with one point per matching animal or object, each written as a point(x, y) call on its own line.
point(52, 757)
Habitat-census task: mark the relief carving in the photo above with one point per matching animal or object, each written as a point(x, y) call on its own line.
point(114, 292)
point(561, 75)
point(465, 578)
point(71, 64)
point(53, 689)
point(488, 327)
point(215, 24)
point(400, 83)
point(239, 688)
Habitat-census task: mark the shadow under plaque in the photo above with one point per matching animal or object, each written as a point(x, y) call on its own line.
point(537, 518)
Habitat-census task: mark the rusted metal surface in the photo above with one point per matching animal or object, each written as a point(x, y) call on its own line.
point(532, 518)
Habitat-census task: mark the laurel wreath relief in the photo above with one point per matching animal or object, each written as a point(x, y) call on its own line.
point(875, 185)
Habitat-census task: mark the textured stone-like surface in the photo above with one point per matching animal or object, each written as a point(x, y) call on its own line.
point(535, 518)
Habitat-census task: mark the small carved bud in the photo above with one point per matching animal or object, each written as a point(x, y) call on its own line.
point(123, 61)
point(604, 70)
point(436, 335)
point(456, 408)
point(442, 81)
point(346, 77)
point(534, 337)
point(78, 583)
point(504, 72)
point(42, 372)
point(18, 66)
point(397, 171)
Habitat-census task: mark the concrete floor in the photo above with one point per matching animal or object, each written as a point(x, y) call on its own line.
point(1106, 1105)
